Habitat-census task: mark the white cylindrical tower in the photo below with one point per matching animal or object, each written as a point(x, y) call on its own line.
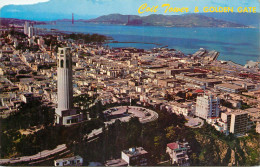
point(65, 89)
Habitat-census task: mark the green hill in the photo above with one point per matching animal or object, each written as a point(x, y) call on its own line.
point(187, 20)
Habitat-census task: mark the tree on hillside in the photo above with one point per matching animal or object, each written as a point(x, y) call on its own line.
point(29, 114)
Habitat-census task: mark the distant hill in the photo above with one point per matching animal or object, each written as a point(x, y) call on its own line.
point(7, 21)
point(187, 20)
point(249, 19)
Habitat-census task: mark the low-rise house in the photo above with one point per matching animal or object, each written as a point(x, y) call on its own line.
point(178, 153)
point(185, 109)
point(116, 162)
point(71, 161)
point(135, 156)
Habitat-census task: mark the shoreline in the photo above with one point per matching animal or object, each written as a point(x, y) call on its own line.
point(149, 43)
point(103, 23)
point(109, 41)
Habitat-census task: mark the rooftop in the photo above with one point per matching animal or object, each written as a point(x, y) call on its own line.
point(135, 151)
point(231, 86)
point(68, 159)
point(116, 162)
point(173, 146)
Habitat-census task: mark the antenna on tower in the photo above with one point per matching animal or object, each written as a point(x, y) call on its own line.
point(72, 18)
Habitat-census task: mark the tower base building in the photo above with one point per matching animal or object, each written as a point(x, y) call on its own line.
point(68, 117)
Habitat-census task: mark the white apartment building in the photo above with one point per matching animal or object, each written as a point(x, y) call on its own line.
point(207, 106)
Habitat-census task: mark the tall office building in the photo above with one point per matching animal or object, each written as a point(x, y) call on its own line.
point(31, 32)
point(65, 113)
point(40, 41)
point(236, 121)
point(26, 26)
point(207, 106)
point(239, 122)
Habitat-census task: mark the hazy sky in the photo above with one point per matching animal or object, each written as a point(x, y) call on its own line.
point(119, 4)
point(53, 9)
point(19, 2)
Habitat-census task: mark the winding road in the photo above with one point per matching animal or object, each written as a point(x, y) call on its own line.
point(133, 111)
point(41, 155)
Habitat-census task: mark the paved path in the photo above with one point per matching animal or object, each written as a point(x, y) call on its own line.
point(194, 122)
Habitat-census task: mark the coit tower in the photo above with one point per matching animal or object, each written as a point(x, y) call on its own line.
point(65, 89)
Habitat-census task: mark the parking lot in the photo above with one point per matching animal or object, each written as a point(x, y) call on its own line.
point(194, 122)
point(114, 113)
point(124, 113)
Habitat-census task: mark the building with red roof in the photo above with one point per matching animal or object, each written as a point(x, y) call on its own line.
point(178, 153)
